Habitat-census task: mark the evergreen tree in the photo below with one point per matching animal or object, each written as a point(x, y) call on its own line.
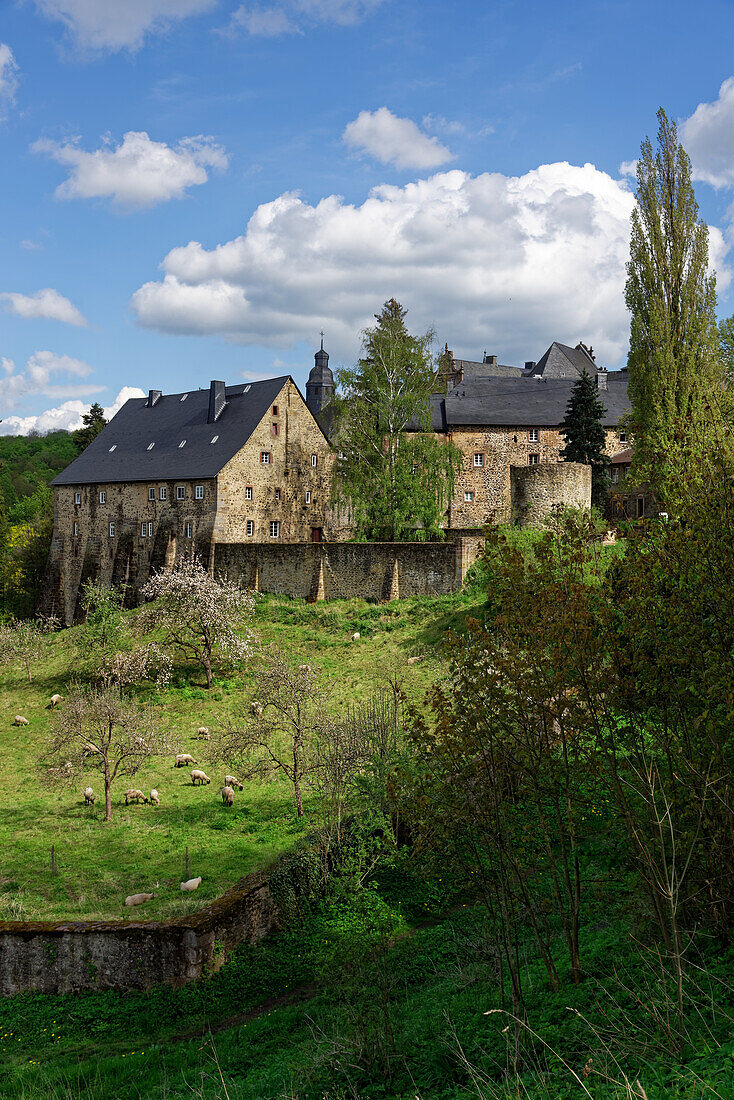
point(585, 436)
point(94, 422)
point(675, 373)
point(397, 482)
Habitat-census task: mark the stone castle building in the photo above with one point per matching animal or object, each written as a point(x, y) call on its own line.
point(251, 465)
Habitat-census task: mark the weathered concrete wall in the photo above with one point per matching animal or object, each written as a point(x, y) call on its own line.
point(343, 570)
point(69, 956)
point(537, 490)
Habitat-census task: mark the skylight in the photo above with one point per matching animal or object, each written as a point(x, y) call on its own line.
point(151, 446)
point(184, 396)
point(112, 447)
point(246, 389)
point(182, 444)
point(214, 439)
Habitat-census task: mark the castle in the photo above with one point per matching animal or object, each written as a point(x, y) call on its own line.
point(251, 465)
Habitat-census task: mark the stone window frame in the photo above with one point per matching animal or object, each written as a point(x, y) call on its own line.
point(151, 492)
point(468, 496)
point(180, 492)
point(274, 428)
point(162, 492)
point(248, 492)
point(534, 459)
point(480, 456)
point(77, 498)
point(278, 494)
point(111, 529)
point(103, 496)
point(264, 458)
point(314, 460)
point(275, 410)
point(274, 528)
point(249, 528)
point(150, 529)
point(533, 435)
point(198, 492)
point(143, 529)
point(308, 496)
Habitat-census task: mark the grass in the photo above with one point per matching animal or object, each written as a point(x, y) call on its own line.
point(143, 848)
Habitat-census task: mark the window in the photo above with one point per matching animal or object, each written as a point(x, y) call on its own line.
point(180, 492)
point(162, 492)
point(184, 396)
point(623, 436)
point(143, 527)
point(275, 410)
point(151, 493)
point(76, 528)
point(150, 530)
point(250, 527)
point(214, 439)
point(182, 444)
point(265, 458)
point(277, 494)
point(77, 498)
point(199, 492)
point(274, 428)
point(533, 460)
point(248, 492)
point(275, 528)
point(112, 530)
point(640, 506)
point(151, 446)
point(615, 474)
point(469, 496)
point(314, 460)
point(188, 530)
point(112, 447)
point(478, 458)
point(308, 496)
point(533, 435)
point(102, 496)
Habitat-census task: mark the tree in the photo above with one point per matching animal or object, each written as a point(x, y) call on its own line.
point(197, 615)
point(397, 477)
point(102, 731)
point(22, 640)
point(675, 373)
point(104, 640)
point(726, 347)
point(585, 436)
point(94, 421)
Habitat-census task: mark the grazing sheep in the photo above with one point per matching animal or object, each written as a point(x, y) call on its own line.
point(256, 708)
point(138, 899)
point(183, 759)
point(191, 884)
point(305, 668)
point(55, 700)
point(89, 795)
point(356, 636)
point(155, 797)
point(414, 660)
point(227, 796)
point(200, 777)
point(134, 795)
point(230, 781)
point(19, 720)
point(203, 731)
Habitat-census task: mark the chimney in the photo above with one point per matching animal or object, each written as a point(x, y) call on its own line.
point(217, 401)
point(530, 364)
point(601, 379)
point(153, 396)
point(490, 360)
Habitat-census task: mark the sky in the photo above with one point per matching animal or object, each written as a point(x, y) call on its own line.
point(193, 189)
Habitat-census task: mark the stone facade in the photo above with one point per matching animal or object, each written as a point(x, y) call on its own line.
point(537, 490)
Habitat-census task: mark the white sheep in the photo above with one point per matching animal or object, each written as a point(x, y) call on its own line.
point(203, 732)
point(356, 636)
point(138, 899)
point(191, 884)
point(19, 720)
point(155, 797)
point(89, 795)
point(230, 781)
point(256, 708)
point(227, 796)
point(55, 700)
point(134, 795)
point(183, 759)
point(200, 777)
point(305, 668)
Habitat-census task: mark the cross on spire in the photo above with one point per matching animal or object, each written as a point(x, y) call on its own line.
point(322, 339)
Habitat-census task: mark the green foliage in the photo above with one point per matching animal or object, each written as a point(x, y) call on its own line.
point(94, 421)
point(585, 436)
point(726, 347)
point(394, 474)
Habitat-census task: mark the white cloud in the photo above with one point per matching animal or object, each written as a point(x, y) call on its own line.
point(506, 263)
point(118, 24)
point(36, 378)
point(708, 137)
point(8, 79)
point(628, 168)
point(67, 416)
point(47, 304)
point(393, 140)
point(298, 16)
point(138, 172)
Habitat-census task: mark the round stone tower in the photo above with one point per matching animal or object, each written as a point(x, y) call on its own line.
point(320, 386)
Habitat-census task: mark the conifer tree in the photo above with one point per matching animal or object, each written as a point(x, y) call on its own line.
point(675, 372)
point(94, 421)
point(585, 436)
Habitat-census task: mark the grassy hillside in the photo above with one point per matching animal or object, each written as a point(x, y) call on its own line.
point(144, 847)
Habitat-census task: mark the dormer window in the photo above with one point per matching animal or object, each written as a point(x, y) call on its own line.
point(112, 447)
point(151, 446)
point(214, 439)
point(182, 444)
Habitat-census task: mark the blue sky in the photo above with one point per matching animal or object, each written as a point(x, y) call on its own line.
point(193, 188)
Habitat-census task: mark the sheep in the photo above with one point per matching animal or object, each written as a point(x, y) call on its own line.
point(191, 884)
point(19, 720)
point(89, 795)
point(356, 636)
point(256, 708)
point(55, 700)
point(202, 777)
point(414, 660)
point(203, 732)
point(138, 899)
point(134, 795)
point(305, 668)
point(155, 797)
point(183, 759)
point(227, 796)
point(230, 781)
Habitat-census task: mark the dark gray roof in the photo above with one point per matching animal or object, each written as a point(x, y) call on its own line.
point(471, 369)
point(561, 361)
point(520, 402)
point(165, 424)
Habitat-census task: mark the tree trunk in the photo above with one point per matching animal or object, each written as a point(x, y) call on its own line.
point(107, 793)
point(297, 781)
point(208, 671)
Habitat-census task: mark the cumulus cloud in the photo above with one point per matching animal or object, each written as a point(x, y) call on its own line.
point(297, 16)
point(628, 168)
point(8, 79)
point(392, 140)
point(41, 376)
point(47, 304)
point(708, 136)
point(508, 263)
point(67, 416)
point(136, 173)
point(113, 25)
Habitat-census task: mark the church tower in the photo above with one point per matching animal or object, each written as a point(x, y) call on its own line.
point(320, 386)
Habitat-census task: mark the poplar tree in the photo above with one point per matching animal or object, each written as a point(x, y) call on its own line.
point(675, 373)
point(585, 435)
point(395, 474)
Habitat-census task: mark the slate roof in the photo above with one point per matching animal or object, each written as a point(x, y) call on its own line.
point(471, 369)
point(165, 424)
point(561, 361)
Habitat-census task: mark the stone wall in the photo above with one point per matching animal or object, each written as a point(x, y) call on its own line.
point(69, 956)
point(536, 490)
point(344, 570)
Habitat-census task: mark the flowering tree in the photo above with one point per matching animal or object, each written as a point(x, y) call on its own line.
point(104, 641)
point(22, 640)
point(197, 615)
